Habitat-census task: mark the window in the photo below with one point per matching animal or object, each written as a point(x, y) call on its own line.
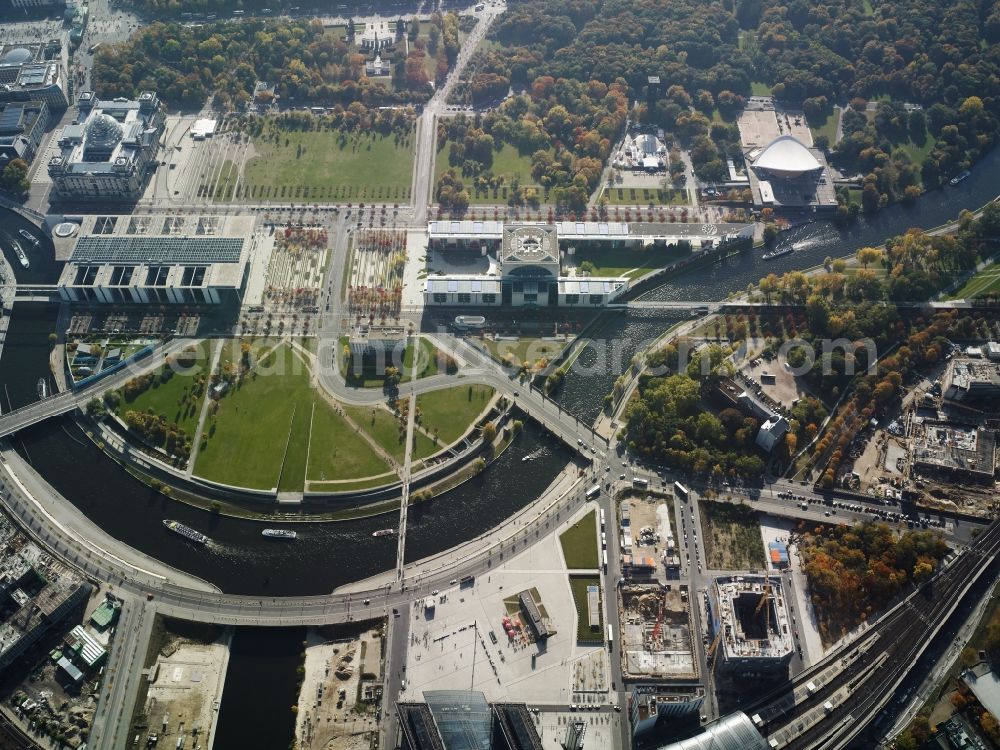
point(440, 297)
point(572, 299)
point(464, 298)
point(531, 298)
point(596, 299)
point(489, 299)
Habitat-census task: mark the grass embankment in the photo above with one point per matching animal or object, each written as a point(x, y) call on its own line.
point(640, 196)
point(253, 431)
point(732, 536)
point(578, 585)
point(448, 413)
point(579, 543)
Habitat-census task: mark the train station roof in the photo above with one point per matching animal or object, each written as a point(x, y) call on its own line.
point(732, 732)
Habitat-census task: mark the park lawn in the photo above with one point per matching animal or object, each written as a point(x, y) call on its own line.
point(759, 88)
point(508, 163)
point(578, 585)
point(251, 427)
point(336, 452)
point(174, 399)
point(331, 165)
point(526, 350)
point(732, 536)
point(641, 196)
point(579, 543)
point(917, 151)
point(983, 284)
point(254, 425)
point(382, 426)
point(426, 364)
point(448, 413)
point(827, 126)
point(623, 261)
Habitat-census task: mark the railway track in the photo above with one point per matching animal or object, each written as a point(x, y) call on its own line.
point(835, 713)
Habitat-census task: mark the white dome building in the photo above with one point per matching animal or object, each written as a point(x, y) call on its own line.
point(786, 157)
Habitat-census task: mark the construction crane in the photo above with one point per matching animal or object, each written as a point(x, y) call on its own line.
point(659, 622)
point(764, 599)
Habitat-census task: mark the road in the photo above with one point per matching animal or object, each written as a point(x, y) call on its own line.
point(123, 676)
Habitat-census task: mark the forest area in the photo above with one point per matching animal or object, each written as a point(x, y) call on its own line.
point(930, 71)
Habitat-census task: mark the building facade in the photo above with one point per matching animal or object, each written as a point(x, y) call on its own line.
point(33, 72)
point(108, 152)
point(159, 259)
point(22, 125)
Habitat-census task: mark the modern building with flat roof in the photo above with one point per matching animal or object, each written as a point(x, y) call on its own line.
point(22, 125)
point(109, 150)
point(33, 72)
point(971, 380)
point(159, 259)
point(750, 624)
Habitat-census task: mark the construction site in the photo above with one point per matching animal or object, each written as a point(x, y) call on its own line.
point(656, 632)
point(750, 625)
point(341, 685)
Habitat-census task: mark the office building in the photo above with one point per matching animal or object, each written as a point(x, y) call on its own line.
point(33, 72)
point(750, 625)
point(464, 720)
point(22, 125)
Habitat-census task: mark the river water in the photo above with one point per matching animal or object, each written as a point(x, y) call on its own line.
point(261, 678)
point(328, 555)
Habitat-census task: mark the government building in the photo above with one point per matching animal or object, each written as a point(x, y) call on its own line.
point(108, 151)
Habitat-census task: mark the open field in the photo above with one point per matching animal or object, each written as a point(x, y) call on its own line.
point(330, 165)
point(578, 585)
point(826, 126)
point(254, 431)
point(759, 88)
point(641, 196)
point(372, 376)
point(508, 163)
point(732, 536)
point(448, 413)
point(983, 284)
point(579, 543)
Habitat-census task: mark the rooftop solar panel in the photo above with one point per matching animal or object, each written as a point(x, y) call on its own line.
point(138, 249)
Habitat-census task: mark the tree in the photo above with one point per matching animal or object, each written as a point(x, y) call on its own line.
point(869, 255)
point(770, 233)
point(14, 178)
point(489, 433)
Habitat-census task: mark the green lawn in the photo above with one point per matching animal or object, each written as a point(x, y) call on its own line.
point(526, 350)
point(578, 585)
point(917, 151)
point(508, 163)
point(579, 543)
point(827, 126)
point(449, 412)
point(329, 165)
point(254, 424)
point(623, 261)
point(383, 427)
point(759, 88)
point(336, 452)
point(640, 196)
point(175, 399)
point(983, 284)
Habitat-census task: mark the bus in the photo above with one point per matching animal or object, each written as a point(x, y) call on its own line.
point(602, 515)
point(640, 484)
point(680, 491)
point(594, 492)
point(611, 639)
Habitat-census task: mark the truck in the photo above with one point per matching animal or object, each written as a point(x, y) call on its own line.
point(604, 555)
point(640, 484)
point(611, 638)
